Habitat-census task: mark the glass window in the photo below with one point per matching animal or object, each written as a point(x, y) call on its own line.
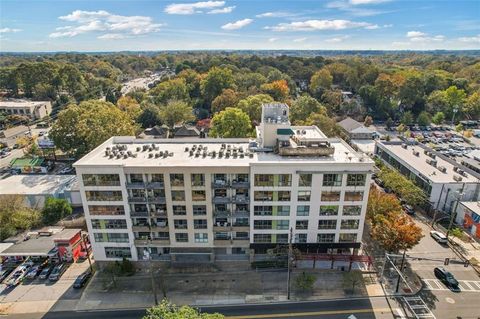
point(161, 236)
point(222, 236)
point(303, 210)
point(262, 210)
point(101, 179)
point(199, 210)
point(328, 210)
point(284, 196)
point(178, 195)
point(198, 179)
point(304, 180)
point(262, 238)
point(263, 180)
point(104, 196)
point(137, 193)
point(111, 237)
point(180, 223)
point(285, 180)
point(301, 224)
point(351, 210)
point(262, 224)
point(176, 180)
point(198, 195)
point(330, 196)
point(349, 224)
point(179, 210)
point(109, 224)
point(181, 237)
point(136, 178)
point(353, 196)
point(106, 210)
point(263, 196)
point(201, 238)
point(200, 224)
point(220, 179)
point(157, 178)
point(220, 192)
point(303, 196)
point(241, 221)
point(242, 178)
point(118, 252)
point(159, 208)
point(332, 179)
point(221, 208)
point(356, 179)
point(283, 210)
point(325, 238)
point(282, 224)
point(300, 238)
point(242, 235)
point(282, 238)
point(347, 238)
point(327, 224)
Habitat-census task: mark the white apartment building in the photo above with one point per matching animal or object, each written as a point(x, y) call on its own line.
point(214, 199)
point(35, 110)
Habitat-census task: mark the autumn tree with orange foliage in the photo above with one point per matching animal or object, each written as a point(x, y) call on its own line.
point(277, 89)
point(390, 226)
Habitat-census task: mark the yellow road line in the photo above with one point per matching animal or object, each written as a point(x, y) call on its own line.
point(306, 314)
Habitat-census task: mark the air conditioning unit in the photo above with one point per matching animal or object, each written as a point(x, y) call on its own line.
point(404, 145)
point(457, 178)
point(442, 169)
point(431, 162)
point(416, 153)
point(455, 168)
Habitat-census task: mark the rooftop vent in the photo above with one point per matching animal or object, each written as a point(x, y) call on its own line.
point(442, 169)
point(416, 153)
point(431, 162)
point(404, 145)
point(457, 178)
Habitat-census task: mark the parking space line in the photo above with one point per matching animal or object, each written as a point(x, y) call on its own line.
point(464, 285)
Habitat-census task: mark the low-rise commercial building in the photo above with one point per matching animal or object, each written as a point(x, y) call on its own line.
point(356, 130)
point(35, 110)
point(207, 199)
point(468, 215)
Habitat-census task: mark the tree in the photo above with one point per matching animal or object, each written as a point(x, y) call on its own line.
point(411, 92)
point(304, 106)
point(252, 105)
point(320, 81)
point(472, 106)
point(277, 89)
point(326, 124)
point(149, 115)
point(175, 89)
point(333, 100)
point(55, 209)
point(405, 188)
point(351, 279)
point(389, 123)
point(305, 281)
point(438, 118)
point(381, 204)
point(228, 98)
point(130, 106)
point(407, 118)
point(15, 216)
point(176, 112)
point(423, 119)
point(215, 82)
point(368, 121)
point(81, 128)
point(167, 310)
point(231, 122)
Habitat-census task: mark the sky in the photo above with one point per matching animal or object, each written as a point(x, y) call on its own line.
point(138, 25)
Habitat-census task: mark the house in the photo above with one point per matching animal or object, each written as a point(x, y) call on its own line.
point(185, 130)
point(155, 132)
point(356, 130)
point(35, 110)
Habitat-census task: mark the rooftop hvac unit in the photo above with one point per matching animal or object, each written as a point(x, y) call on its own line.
point(457, 178)
point(455, 168)
point(304, 132)
point(119, 156)
point(431, 162)
point(442, 169)
point(157, 155)
point(433, 155)
point(186, 149)
point(250, 155)
point(426, 152)
point(125, 156)
point(416, 153)
point(191, 152)
point(138, 148)
point(150, 155)
point(404, 145)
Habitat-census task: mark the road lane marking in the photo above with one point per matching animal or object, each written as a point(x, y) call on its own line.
point(308, 314)
point(464, 285)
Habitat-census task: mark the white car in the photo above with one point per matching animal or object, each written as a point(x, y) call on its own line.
point(439, 237)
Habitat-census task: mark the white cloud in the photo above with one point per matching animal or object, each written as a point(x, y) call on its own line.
point(299, 40)
point(272, 39)
point(9, 30)
point(237, 24)
point(354, 9)
point(414, 34)
point(223, 10)
point(103, 21)
point(312, 25)
point(112, 36)
point(359, 2)
point(474, 39)
point(275, 14)
point(337, 39)
point(194, 7)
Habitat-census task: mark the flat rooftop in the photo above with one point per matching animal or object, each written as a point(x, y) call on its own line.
point(35, 184)
point(21, 103)
point(419, 163)
point(151, 153)
point(473, 206)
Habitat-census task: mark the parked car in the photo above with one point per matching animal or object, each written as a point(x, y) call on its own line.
point(439, 237)
point(57, 272)
point(446, 277)
point(409, 210)
point(67, 170)
point(4, 274)
point(33, 272)
point(45, 272)
point(82, 279)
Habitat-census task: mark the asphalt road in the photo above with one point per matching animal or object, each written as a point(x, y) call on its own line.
point(329, 309)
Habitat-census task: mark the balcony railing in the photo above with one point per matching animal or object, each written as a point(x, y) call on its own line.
point(221, 213)
point(241, 213)
point(133, 185)
point(241, 199)
point(157, 200)
point(159, 212)
point(139, 213)
point(155, 185)
point(220, 183)
point(240, 184)
point(222, 199)
point(134, 199)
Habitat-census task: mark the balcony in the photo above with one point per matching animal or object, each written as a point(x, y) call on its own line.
point(160, 241)
point(240, 184)
point(241, 213)
point(158, 212)
point(156, 200)
point(141, 241)
point(140, 213)
point(135, 185)
point(222, 240)
point(221, 199)
point(241, 199)
point(141, 228)
point(241, 241)
point(132, 199)
point(219, 183)
point(221, 227)
point(152, 185)
point(221, 213)
point(160, 228)
point(240, 227)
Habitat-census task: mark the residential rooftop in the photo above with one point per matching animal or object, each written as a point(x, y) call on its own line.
point(444, 171)
point(20, 103)
point(35, 184)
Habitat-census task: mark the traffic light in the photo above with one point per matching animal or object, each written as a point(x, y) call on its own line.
point(447, 261)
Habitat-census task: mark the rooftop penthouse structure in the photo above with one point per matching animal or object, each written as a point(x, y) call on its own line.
point(195, 199)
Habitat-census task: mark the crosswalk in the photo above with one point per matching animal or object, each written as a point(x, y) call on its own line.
point(464, 285)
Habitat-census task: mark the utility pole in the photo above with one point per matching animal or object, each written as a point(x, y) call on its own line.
point(401, 270)
point(289, 262)
point(86, 251)
point(453, 213)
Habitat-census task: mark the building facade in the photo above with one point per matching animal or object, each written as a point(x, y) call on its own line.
point(35, 110)
point(214, 199)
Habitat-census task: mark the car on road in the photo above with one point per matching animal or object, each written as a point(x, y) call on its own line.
point(33, 272)
point(67, 171)
point(408, 209)
point(45, 272)
point(82, 279)
point(4, 274)
point(439, 237)
point(57, 272)
point(446, 277)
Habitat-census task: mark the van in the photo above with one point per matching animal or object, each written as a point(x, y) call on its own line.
point(57, 272)
point(439, 237)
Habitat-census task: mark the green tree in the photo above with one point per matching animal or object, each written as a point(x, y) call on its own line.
point(389, 123)
point(320, 81)
point(305, 281)
point(149, 115)
point(228, 98)
point(404, 187)
point(423, 119)
point(252, 105)
point(472, 106)
point(326, 124)
point(130, 106)
point(231, 122)
point(55, 209)
point(15, 216)
point(176, 112)
point(167, 310)
point(279, 90)
point(304, 106)
point(407, 118)
point(215, 82)
point(438, 118)
point(174, 89)
point(81, 128)
point(352, 279)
